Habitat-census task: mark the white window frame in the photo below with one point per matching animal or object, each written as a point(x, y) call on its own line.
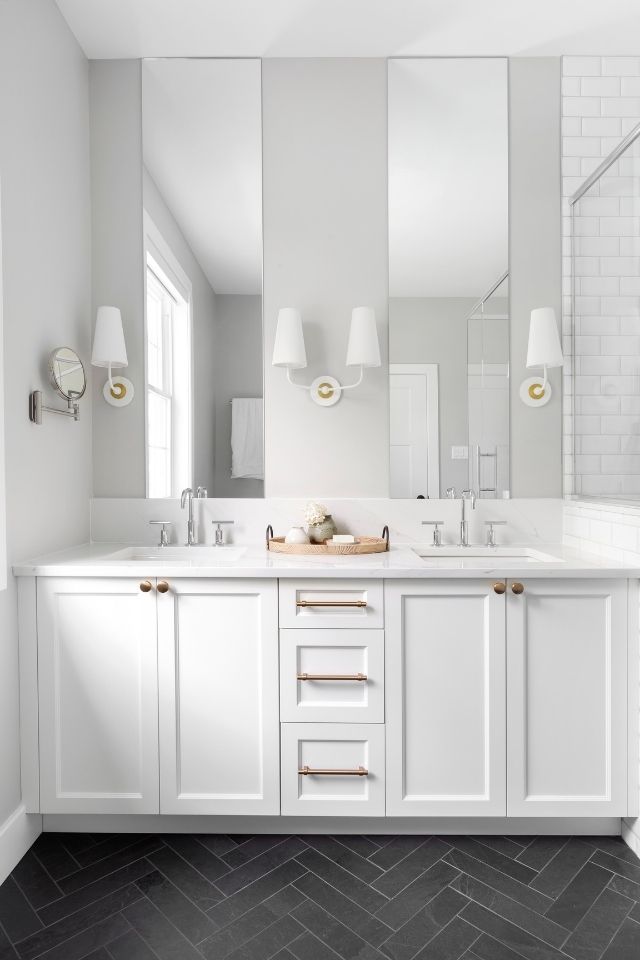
point(159, 257)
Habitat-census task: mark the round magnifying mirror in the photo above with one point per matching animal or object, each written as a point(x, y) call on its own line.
point(67, 373)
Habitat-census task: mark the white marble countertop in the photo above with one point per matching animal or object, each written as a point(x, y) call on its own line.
point(243, 561)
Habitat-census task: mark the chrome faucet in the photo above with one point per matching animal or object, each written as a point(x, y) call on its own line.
point(187, 495)
point(466, 496)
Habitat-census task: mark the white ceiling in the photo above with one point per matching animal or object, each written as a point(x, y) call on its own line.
point(448, 176)
point(202, 146)
point(377, 28)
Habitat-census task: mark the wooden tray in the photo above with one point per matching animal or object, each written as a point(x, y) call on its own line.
point(362, 545)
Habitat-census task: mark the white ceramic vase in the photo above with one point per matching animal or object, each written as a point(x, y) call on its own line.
point(296, 535)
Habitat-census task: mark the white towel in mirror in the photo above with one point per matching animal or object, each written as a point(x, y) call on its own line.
point(247, 444)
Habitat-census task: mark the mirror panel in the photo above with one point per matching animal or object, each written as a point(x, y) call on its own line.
point(67, 373)
point(448, 289)
point(202, 193)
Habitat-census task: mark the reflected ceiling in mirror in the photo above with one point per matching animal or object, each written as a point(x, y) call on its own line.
point(202, 183)
point(448, 260)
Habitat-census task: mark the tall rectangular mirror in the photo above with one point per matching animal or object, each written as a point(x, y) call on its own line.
point(202, 195)
point(448, 276)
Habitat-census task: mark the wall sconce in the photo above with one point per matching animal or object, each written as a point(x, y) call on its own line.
point(544, 351)
point(110, 351)
point(363, 350)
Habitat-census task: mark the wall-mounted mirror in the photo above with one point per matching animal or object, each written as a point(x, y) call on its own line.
point(202, 192)
point(67, 373)
point(448, 276)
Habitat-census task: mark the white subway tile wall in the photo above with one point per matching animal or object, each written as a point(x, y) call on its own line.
point(601, 270)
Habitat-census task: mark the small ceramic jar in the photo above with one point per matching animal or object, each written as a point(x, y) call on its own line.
point(296, 535)
point(319, 532)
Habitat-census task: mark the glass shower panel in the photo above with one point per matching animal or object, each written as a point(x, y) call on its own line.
point(606, 332)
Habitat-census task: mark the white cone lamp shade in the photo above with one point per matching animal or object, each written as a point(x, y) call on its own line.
point(363, 349)
point(109, 348)
point(544, 350)
point(288, 349)
point(110, 351)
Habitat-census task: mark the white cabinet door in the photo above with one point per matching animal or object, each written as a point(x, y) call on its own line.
point(218, 675)
point(567, 698)
point(332, 676)
point(97, 678)
point(332, 769)
point(445, 698)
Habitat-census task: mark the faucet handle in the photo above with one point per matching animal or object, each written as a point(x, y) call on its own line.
point(491, 536)
point(451, 493)
point(164, 536)
point(201, 493)
point(437, 535)
point(219, 536)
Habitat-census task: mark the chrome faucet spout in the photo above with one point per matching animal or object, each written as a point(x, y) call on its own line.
point(468, 496)
point(187, 497)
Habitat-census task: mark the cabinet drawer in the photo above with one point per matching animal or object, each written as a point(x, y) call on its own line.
point(336, 604)
point(332, 676)
point(344, 766)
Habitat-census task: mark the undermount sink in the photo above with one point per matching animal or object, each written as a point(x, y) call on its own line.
point(502, 555)
point(178, 554)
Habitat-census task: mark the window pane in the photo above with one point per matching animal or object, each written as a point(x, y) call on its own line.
point(159, 443)
point(154, 336)
point(159, 472)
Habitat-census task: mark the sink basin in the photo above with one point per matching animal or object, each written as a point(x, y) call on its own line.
point(504, 556)
point(176, 554)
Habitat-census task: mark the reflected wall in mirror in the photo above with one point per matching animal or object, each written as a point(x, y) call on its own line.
point(448, 276)
point(202, 193)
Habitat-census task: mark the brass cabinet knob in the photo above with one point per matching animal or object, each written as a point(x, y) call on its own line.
point(146, 586)
point(163, 586)
point(499, 587)
point(517, 588)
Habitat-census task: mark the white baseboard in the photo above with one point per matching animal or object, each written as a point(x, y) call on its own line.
point(631, 835)
point(17, 834)
point(150, 823)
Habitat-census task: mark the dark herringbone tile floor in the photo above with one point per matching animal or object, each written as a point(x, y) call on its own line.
point(124, 897)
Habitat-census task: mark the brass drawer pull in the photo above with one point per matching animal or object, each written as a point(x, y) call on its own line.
point(331, 603)
point(313, 772)
point(163, 586)
point(517, 588)
point(499, 588)
point(146, 586)
point(360, 677)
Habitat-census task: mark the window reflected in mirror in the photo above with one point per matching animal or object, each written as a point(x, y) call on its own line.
point(202, 191)
point(448, 276)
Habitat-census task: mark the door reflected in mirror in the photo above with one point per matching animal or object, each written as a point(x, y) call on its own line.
point(448, 276)
point(202, 191)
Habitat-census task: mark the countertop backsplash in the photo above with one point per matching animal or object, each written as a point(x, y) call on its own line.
point(529, 521)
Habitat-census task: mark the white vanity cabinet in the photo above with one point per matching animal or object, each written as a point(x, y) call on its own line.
point(97, 696)
point(156, 696)
point(445, 688)
point(567, 698)
point(218, 682)
point(509, 698)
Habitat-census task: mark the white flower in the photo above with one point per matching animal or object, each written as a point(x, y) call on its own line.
point(314, 513)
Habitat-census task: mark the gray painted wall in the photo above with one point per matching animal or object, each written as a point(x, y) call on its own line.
point(237, 372)
point(535, 263)
point(118, 263)
point(203, 318)
point(325, 252)
point(44, 165)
